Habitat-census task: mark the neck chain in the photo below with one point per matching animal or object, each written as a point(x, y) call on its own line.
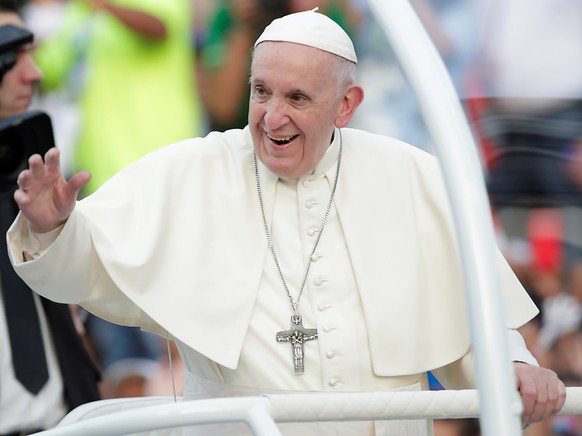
point(297, 335)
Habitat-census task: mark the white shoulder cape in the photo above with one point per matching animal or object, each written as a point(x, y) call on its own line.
point(175, 243)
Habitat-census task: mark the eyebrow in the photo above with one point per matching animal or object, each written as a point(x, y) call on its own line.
point(256, 81)
point(298, 91)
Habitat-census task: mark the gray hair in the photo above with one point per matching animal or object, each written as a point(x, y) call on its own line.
point(344, 71)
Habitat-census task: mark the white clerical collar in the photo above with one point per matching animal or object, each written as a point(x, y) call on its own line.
point(329, 158)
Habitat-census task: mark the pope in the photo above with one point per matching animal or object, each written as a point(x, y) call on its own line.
point(294, 255)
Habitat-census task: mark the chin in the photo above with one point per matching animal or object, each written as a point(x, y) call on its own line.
point(278, 168)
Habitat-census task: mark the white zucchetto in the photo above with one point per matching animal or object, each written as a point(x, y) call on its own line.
point(312, 29)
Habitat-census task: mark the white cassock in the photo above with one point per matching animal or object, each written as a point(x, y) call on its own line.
point(175, 243)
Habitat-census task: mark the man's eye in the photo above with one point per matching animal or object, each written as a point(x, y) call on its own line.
point(260, 91)
point(28, 48)
point(298, 98)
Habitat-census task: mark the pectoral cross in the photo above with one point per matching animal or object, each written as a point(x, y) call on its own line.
point(297, 335)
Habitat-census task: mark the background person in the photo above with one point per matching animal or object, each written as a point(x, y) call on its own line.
point(34, 397)
point(129, 63)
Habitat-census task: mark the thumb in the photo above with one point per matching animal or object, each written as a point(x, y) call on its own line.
point(77, 182)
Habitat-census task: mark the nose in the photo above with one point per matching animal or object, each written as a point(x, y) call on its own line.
point(30, 71)
point(275, 114)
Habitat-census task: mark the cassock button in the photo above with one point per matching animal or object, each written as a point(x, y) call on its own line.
point(323, 307)
point(332, 354)
point(306, 183)
point(316, 257)
point(312, 231)
point(310, 203)
point(334, 381)
point(328, 328)
point(319, 281)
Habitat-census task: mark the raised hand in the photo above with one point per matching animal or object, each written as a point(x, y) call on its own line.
point(44, 196)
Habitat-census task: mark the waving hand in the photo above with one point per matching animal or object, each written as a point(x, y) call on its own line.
point(44, 196)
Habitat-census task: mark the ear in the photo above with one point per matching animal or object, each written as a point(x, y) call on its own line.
point(352, 98)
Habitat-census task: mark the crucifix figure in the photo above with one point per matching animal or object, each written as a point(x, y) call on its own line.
point(297, 335)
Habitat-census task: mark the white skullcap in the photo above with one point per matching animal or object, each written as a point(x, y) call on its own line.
point(312, 29)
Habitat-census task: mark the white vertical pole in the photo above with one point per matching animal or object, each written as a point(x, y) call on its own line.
point(499, 403)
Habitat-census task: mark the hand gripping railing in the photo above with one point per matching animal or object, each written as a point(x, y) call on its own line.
point(261, 413)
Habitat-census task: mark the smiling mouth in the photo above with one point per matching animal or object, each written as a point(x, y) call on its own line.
point(282, 140)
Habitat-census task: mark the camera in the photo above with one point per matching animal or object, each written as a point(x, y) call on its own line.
point(24, 134)
point(21, 136)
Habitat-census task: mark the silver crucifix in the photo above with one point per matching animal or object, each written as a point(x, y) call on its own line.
point(297, 335)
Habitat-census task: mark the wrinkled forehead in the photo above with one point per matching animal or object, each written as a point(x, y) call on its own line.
point(310, 29)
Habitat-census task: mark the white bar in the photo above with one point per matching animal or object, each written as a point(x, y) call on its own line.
point(457, 152)
point(254, 411)
point(261, 413)
point(368, 406)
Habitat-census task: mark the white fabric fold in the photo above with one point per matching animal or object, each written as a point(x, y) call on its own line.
point(175, 243)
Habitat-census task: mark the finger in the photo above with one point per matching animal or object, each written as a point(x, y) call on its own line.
point(77, 182)
point(528, 399)
point(556, 395)
point(21, 198)
point(540, 410)
point(36, 165)
point(52, 160)
point(528, 390)
point(24, 179)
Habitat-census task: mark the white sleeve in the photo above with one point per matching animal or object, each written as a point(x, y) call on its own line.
point(34, 244)
point(460, 374)
point(518, 350)
point(41, 259)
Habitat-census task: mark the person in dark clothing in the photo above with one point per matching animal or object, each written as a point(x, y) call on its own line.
point(45, 367)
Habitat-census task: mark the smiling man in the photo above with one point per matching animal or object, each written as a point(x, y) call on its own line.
point(296, 254)
point(293, 114)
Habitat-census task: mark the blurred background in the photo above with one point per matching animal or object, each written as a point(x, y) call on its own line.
point(117, 88)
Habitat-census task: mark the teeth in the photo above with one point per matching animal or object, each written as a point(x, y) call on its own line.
point(282, 138)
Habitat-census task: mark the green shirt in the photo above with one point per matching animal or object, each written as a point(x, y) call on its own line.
point(136, 94)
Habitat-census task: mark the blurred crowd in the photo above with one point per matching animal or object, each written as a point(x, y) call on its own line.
point(123, 77)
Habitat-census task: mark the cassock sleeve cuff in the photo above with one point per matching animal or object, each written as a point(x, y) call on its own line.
point(518, 350)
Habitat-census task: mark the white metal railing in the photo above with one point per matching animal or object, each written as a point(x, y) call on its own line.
point(463, 174)
point(261, 413)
